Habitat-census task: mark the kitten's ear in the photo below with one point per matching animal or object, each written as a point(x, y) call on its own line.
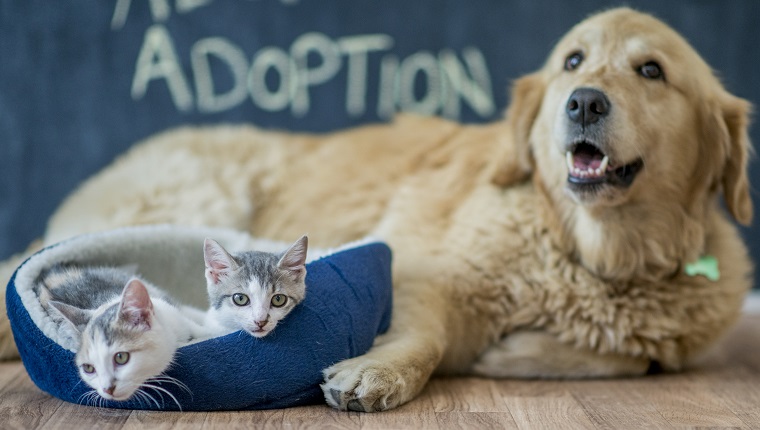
point(136, 308)
point(294, 259)
point(74, 317)
point(219, 262)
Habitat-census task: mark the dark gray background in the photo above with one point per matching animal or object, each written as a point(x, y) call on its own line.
point(66, 71)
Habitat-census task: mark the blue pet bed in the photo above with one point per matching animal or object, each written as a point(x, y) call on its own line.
point(348, 302)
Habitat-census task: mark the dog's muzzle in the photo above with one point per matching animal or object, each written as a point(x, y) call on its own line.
point(587, 163)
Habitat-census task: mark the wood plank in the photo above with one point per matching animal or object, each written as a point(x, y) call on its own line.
point(739, 391)
point(244, 420)
point(400, 419)
point(322, 417)
point(465, 395)
point(165, 420)
point(417, 414)
point(686, 400)
point(548, 412)
point(23, 405)
point(86, 417)
point(618, 404)
point(530, 388)
point(475, 420)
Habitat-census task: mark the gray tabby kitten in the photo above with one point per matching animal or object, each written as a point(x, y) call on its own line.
point(253, 290)
point(126, 330)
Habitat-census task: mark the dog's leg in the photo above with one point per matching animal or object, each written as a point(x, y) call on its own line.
point(533, 354)
point(401, 361)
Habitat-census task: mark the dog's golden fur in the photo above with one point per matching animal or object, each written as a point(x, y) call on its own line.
point(500, 268)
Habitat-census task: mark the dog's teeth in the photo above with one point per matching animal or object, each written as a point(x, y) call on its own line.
point(603, 165)
point(569, 159)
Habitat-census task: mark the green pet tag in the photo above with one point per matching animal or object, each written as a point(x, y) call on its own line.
point(706, 266)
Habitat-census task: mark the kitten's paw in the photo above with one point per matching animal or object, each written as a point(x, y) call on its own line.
point(364, 385)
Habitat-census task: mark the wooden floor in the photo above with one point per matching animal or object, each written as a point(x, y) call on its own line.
point(723, 391)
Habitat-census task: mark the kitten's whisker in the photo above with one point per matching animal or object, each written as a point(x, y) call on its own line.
point(74, 388)
point(159, 390)
point(149, 401)
point(174, 381)
point(95, 399)
point(137, 395)
point(86, 398)
point(147, 398)
point(150, 398)
point(76, 385)
point(138, 398)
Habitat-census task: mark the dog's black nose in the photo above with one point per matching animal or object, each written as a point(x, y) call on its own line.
point(587, 105)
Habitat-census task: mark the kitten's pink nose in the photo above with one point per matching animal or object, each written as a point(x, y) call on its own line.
point(262, 323)
point(110, 390)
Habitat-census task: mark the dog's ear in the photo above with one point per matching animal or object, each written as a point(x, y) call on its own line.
point(732, 117)
point(515, 160)
point(726, 150)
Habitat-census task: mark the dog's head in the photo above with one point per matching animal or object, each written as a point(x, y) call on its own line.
point(625, 114)
point(626, 106)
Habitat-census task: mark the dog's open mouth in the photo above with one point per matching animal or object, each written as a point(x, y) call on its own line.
point(588, 165)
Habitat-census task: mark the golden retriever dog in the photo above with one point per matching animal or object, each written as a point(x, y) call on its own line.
point(553, 244)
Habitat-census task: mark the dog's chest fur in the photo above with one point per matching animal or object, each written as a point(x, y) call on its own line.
point(501, 265)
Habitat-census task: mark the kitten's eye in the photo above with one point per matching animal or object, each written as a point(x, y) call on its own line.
point(651, 70)
point(573, 61)
point(121, 357)
point(88, 368)
point(240, 299)
point(279, 300)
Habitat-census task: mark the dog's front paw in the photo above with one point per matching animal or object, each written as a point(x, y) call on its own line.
point(364, 385)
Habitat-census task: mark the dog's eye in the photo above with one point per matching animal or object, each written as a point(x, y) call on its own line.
point(651, 70)
point(573, 61)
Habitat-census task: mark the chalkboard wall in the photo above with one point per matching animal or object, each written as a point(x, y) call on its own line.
point(82, 80)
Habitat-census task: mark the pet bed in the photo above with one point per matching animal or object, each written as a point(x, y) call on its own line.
point(348, 302)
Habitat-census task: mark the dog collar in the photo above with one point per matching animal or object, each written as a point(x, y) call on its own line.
point(707, 266)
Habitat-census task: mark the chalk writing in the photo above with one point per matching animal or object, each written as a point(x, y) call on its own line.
point(279, 78)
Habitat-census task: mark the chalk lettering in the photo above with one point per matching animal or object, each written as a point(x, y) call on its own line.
point(185, 6)
point(388, 87)
point(279, 62)
point(158, 60)
point(357, 48)
point(476, 91)
point(426, 66)
point(235, 60)
point(278, 79)
point(330, 62)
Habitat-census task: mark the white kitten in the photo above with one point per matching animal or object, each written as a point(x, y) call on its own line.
point(253, 290)
point(127, 331)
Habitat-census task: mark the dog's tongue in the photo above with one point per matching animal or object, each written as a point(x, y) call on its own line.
point(586, 160)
